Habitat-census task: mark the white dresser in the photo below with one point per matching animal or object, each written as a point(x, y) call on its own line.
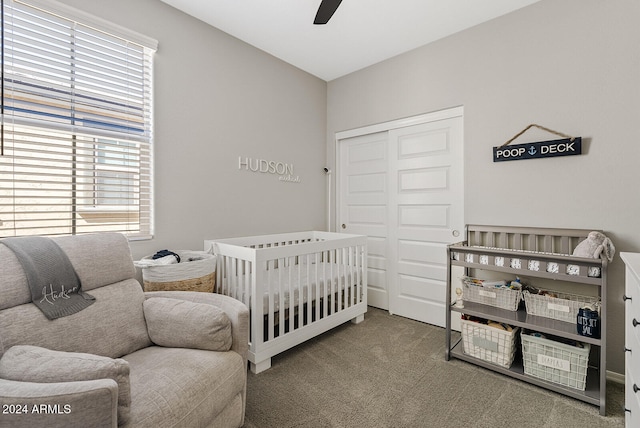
point(632, 339)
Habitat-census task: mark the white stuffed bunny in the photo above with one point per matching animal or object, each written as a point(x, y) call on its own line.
point(596, 245)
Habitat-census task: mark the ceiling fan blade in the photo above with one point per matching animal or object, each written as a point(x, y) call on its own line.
point(326, 10)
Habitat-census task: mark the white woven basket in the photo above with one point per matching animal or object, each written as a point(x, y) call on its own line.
point(195, 272)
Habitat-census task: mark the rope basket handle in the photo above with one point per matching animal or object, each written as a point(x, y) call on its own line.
point(560, 134)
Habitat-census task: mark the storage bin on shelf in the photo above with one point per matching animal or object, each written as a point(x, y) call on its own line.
point(559, 306)
point(556, 362)
point(195, 272)
point(504, 298)
point(489, 343)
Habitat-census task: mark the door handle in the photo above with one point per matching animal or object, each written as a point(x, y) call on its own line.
point(455, 233)
point(344, 226)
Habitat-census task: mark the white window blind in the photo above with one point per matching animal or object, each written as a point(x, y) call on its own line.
point(76, 124)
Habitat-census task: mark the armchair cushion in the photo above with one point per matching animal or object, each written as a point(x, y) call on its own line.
point(176, 323)
point(35, 364)
point(84, 403)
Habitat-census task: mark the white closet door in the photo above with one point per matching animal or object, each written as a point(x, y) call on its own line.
point(401, 184)
point(362, 182)
point(425, 215)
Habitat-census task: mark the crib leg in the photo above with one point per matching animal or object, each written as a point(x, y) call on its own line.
point(261, 366)
point(358, 319)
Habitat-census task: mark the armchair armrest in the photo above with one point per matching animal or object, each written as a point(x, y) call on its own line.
point(66, 404)
point(237, 312)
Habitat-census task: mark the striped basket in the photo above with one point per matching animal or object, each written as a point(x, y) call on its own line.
point(195, 272)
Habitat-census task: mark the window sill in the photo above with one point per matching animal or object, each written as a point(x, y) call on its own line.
point(108, 215)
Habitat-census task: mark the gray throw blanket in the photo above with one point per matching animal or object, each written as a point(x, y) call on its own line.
point(54, 285)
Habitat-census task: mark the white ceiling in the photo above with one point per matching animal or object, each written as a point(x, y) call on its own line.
point(361, 33)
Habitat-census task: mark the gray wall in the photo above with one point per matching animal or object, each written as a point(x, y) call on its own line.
point(570, 65)
point(217, 98)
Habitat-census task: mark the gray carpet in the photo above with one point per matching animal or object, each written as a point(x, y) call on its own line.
point(390, 371)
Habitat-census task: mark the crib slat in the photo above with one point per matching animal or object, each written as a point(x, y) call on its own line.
point(305, 299)
point(248, 279)
point(362, 272)
point(349, 278)
point(331, 282)
point(339, 281)
point(225, 291)
point(354, 276)
point(303, 292)
point(243, 281)
point(234, 279)
point(279, 287)
point(336, 281)
point(222, 265)
point(271, 310)
point(291, 300)
point(325, 281)
point(317, 278)
point(357, 275)
point(216, 285)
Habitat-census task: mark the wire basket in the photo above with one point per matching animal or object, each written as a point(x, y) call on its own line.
point(560, 306)
point(489, 343)
point(554, 361)
point(504, 298)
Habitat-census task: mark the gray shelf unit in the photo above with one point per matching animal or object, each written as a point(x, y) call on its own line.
point(546, 246)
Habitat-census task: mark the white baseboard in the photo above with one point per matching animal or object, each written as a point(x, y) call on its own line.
point(615, 377)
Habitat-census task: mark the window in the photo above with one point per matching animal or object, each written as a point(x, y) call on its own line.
point(76, 123)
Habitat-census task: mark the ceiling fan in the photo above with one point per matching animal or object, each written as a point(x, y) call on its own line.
point(326, 10)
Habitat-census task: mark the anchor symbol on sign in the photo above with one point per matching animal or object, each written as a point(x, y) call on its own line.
point(532, 150)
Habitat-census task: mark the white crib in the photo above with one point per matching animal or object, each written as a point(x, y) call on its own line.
point(310, 282)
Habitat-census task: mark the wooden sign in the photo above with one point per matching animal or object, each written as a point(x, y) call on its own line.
point(542, 149)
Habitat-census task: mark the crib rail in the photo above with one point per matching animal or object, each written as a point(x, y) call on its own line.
point(295, 285)
point(281, 239)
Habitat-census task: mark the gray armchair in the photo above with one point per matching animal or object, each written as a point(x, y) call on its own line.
point(134, 359)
